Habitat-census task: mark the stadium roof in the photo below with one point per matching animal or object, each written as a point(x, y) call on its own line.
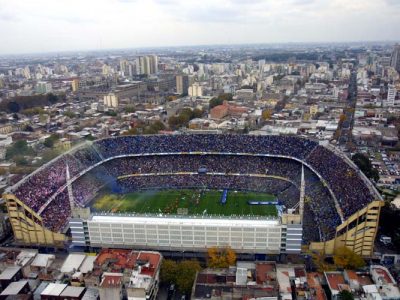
point(234, 222)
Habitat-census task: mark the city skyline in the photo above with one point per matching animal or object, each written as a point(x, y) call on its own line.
point(45, 26)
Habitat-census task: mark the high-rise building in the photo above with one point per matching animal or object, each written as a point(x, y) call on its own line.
point(153, 64)
point(182, 84)
point(43, 87)
point(111, 100)
point(75, 85)
point(124, 67)
point(395, 58)
point(147, 64)
point(391, 97)
point(195, 90)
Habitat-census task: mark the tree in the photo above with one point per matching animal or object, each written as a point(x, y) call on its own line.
point(51, 140)
point(215, 102)
point(168, 271)
point(20, 160)
point(51, 98)
point(111, 113)
point(13, 107)
point(226, 96)
point(365, 166)
point(345, 295)
point(157, 126)
point(230, 257)
point(171, 98)
point(266, 114)
point(184, 117)
point(130, 109)
point(33, 111)
point(182, 274)
point(69, 114)
point(186, 273)
point(19, 148)
point(221, 257)
point(389, 223)
point(347, 259)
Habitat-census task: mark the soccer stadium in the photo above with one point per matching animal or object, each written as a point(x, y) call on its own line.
point(258, 194)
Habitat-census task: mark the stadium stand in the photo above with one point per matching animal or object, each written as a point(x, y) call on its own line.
point(234, 162)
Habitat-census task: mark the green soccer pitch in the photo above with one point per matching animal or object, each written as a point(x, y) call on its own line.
point(190, 202)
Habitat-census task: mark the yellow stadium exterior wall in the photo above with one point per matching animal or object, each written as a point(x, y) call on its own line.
point(28, 227)
point(357, 233)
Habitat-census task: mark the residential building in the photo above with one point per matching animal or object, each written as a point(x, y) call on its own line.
point(111, 100)
point(395, 58)
point(195, 90)
point(182, 84)
point(111, 286)
point(43, 87)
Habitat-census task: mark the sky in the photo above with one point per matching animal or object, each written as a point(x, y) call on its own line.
point(36, 26)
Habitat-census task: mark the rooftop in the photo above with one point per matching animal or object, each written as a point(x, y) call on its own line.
point(336, 281)
point(87, 264)
point(54, 289)
point(314, 282)
point(14, 288)
point(111, 280)
point(9, 272)
point(73, 291)
point(72, 263)
point(43, 260)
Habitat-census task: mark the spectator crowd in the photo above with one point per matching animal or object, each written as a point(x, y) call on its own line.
point(232, 162)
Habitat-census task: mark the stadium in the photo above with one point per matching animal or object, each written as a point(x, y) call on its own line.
point(258, 194)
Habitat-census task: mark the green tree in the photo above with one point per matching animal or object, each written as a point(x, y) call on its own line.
point(363, 162)
point(51, 140)
point(389, 223)
point(226, 96)
point(130, 109)
point(345, 295)
point(186, 273)
point(197, 113)
point(69, 114)
point(184, 117)
point(158, 125)
point(51, 98)
point(182, 274)
point(215, 102)
point(168, 271)
point(20, 160)
point(33, 111)
point(111, 113)
point(19, 148)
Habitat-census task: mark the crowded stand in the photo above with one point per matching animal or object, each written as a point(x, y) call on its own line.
point(56, 215)
point(128, 155)
point(210, 163)
point(273, 145)
point(350, 190)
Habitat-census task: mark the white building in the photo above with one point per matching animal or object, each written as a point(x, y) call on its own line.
point(111, 100)
point(143, 283)
point(195, 90)
point(391, 97)
point(196, 233)
point(43, 87)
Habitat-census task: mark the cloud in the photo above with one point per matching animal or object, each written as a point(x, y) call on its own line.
point(27, 26)
point(127, 1)
point(393, 2)
point(8, 17)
